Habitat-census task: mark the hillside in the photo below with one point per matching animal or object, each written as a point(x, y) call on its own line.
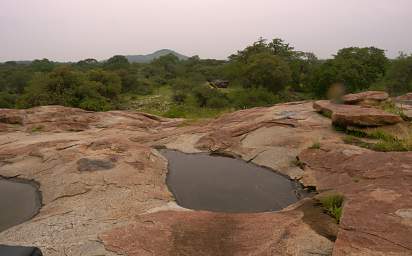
point(149, 57)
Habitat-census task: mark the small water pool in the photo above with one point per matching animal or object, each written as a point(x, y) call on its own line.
point(221, 184)
point(19, 201)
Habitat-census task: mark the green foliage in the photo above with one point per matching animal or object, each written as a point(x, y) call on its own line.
point(385, 141)
point(262, 74)
point(97, 90)
point(271, 65)
point(208, 97)
point(356, 68)
point(267, 71)
point(87, 64)
point(392, 108)
point(43, 65)
point(7, 100)
point(117, 62)
point(333, 205)
point(399, 76)
point(253, 97)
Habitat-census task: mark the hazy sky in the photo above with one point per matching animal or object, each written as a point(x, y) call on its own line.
point(77, 29)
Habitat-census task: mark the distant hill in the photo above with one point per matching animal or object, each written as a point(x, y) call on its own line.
point(149, 57)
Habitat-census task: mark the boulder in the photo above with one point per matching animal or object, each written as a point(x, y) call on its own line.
point(353, 115)
point(369, 98)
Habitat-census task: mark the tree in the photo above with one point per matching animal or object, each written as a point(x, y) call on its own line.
point(399, 76)
point(356, 68)
point(166, 66)
point(117, 62)
point(96, 90)
point(109, 83)
point(300, 64)
point(55, 88)
point(87, 64)
point(267, 71)
point(43, 65)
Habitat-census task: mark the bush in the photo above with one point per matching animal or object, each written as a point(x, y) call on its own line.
point(95, 104)
point(7, 100)
point(253, 97)
point(176, 112)
point(97, 90)
point(208, 97)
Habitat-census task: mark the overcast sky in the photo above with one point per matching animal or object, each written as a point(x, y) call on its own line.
point(69, 30)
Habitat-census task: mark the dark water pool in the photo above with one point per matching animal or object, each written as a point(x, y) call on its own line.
point(19, 202)
point(222, 184)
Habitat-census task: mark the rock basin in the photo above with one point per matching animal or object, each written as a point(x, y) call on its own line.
point(20, 201)
point(223, 184)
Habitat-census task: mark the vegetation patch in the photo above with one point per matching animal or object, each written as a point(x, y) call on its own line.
point(391, 107)
point(377, 140)
point(315, 145)
point(333, 205)
point(37, 128)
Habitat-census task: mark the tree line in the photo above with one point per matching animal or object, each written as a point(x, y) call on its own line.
point(263, 73)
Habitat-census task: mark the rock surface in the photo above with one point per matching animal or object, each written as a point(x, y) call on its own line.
point(218, 234)
point(406, 97)
point(376, 217)
point(368, 98)
point(347, 115)
point(104, 190)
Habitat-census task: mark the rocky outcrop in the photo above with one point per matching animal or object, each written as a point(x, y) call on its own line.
point(347, 115)
point(368, 98)
point(104, 190)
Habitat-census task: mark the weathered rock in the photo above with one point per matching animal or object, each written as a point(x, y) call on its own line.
point(369, 98)
point(220, 234)
point(347, 115)
point(11, 116)
point(377, 194)
point(81, 206)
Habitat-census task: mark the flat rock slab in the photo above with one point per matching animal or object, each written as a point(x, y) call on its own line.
point(369, 98)
point(347, 115)
point(218, 234)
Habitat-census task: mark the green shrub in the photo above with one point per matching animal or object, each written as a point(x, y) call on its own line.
point(253, 97)
point(208, 97)
point(7, 100)
point(176, 112)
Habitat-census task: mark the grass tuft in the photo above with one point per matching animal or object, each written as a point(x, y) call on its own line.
point(315, 145)
point(333, 206)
